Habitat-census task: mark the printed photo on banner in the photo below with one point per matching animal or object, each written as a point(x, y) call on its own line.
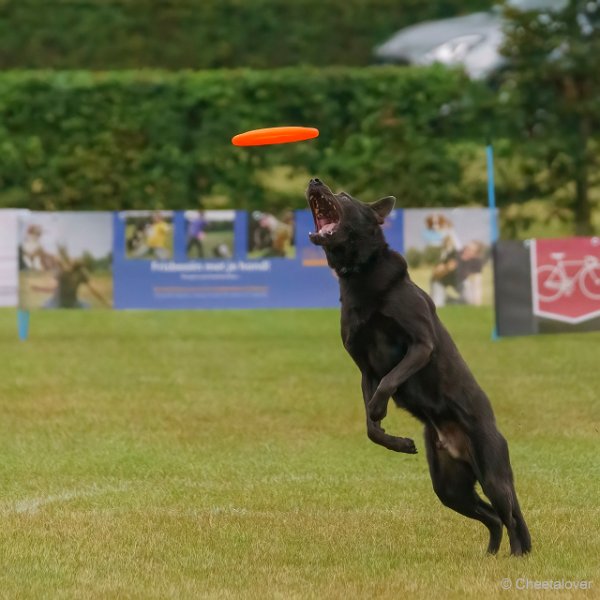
point(271, 235)
point(209, 234)
point(149, 235)
point(448, 253)
point(65, 260)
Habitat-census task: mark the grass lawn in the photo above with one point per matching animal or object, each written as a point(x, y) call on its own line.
point(223, 455)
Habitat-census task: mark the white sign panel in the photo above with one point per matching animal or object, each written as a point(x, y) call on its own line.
point(9, 261)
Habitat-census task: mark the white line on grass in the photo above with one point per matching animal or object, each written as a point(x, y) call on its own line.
point(32, 505)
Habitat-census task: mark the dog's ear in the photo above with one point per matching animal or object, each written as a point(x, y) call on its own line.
point(383, 207)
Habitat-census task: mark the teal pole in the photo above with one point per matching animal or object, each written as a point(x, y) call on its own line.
point(492, 208)
point(23, 324)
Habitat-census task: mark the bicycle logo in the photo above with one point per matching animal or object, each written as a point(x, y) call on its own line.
point(555, 282)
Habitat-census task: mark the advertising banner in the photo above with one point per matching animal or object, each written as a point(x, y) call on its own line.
point(9, 262)
point(566, 279)
point(547, 286)
point(65, 260)
point(223, 259)
point(448, 252)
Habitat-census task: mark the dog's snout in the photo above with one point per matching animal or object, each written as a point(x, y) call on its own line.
point(315, 181)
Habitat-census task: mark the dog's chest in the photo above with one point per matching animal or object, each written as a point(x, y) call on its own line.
point(373, 340)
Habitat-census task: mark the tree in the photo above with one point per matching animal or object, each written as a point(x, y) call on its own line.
point(551, 93)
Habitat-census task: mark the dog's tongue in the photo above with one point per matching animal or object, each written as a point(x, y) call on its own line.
point(327, 228)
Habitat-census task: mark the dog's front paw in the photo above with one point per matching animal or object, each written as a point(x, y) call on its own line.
point(409, 446)
point(377, 411)
point(404, 445)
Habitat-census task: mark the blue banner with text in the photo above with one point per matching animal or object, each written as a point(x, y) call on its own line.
point(223, 259)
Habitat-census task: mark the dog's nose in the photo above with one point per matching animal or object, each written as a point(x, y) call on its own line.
point(315, 181)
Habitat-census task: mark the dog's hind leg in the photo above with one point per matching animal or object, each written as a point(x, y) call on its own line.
point(454, 483)
point(375, 431)
point(522, 529)
point(496, 478)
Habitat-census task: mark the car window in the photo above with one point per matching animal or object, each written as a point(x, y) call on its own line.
point(538, 4)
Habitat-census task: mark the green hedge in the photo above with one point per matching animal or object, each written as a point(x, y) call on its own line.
point(153, 139)
point(205, 34)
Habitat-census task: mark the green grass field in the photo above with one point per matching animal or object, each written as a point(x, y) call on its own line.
point(223, 455)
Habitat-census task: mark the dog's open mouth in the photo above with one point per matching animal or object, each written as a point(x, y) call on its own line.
point(325, 212)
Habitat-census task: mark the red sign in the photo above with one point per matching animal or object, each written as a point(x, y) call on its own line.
point(565, 277)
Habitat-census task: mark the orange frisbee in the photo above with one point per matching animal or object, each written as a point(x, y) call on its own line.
point(274, 135)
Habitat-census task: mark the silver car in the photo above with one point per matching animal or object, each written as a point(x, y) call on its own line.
point(472, 41)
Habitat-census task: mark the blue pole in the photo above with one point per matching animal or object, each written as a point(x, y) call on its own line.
point(23, 324)
point(492, 193)
point(492, 208)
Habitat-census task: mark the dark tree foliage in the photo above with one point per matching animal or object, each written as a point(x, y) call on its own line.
point(551, 99)
point(205, 34)
point(74, 140)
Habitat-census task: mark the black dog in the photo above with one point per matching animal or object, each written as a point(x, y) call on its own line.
point(392, 332)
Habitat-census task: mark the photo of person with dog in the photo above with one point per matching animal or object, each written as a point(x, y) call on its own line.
point(271, 236)
point(209, 234)
point(65, 260)
point(448, 252)
point(149, 235)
